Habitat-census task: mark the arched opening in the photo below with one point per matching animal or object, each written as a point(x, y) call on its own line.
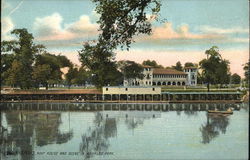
point(133, 83)
point(173, 83)
point(163, 83)
point(169, 83)
point(159, 83)
point(183, 83)
point(178, 83)
point(154, 83)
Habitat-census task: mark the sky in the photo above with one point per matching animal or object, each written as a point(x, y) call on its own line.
point(185, 30)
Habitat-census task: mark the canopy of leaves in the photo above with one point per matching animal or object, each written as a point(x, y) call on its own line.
point(190, 64)
point(235, 79)
point(131, 70)
point(152, 64)
point(23, 51)
point(178, 66)
point(246, 71)
point(121, 20)
point(215, 70)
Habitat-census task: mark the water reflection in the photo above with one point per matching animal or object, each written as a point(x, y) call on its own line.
point(215, 125)
point(95, 140)
point(24, 130)
point(28, 129)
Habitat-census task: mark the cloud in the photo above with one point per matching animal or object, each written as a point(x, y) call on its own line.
point(50, 28)
point(167, 32)
point(7, 27)
point(209, 29)
point(167, 35)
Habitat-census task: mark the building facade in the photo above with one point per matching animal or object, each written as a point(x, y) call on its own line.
point(165, 77)
point(191, 75)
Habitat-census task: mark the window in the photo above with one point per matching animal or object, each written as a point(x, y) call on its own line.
point(107, 89)
point(126, 89)
point(153, 89)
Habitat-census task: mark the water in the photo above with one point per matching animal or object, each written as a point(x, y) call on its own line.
point(64, 135)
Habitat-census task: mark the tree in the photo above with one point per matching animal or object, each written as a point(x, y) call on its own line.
point(246, 71)
point(235, 79)
point(178, 66)
point(14, 74)
point(41, 74)
point(131, 70)
point(189, 64)
point(101, 65)
point(82, 76)
point(152, 64)
point(71, 76)
point(119, 22)
point(6, 63)
point(55, 63)
point(23, 51)
point(215, 70)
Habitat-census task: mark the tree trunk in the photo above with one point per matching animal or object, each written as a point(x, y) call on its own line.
point(46, 86)
point(208, 87)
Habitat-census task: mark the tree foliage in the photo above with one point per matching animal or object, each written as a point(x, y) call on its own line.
point(215, 70)
point(189, 64)
point(41, 75)
point(235, 79)
point(26, 65)
point(246, 72)
point(152, 63)
point(23, 50)
point(131, 70)
point(178, 66)
point(119, 22)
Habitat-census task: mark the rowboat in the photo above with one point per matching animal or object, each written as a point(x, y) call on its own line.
point(220, 112)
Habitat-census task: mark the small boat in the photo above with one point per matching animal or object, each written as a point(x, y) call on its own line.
point(220, 112)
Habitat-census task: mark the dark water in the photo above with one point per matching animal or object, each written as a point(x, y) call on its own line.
point(64, 135)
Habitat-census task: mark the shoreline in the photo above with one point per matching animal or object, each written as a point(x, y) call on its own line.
point(124, 101)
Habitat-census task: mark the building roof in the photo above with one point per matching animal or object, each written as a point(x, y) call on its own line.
point(65, 91)
point(167, 71)
point(190, 67)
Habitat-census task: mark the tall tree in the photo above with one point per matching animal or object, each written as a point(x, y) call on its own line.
point(119, 21)
point(215, 70)
point(178, 66)
point(23, 51)
point(235, 79)
point(152, 63)
point(131, 70)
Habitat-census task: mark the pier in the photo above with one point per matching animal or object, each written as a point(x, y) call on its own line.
point(96, 96)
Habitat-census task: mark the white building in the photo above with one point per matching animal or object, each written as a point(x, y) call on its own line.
point(165, 77)
point(191, 75)
point(131, 90)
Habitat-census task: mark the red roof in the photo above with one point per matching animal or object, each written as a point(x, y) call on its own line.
point(167, 71)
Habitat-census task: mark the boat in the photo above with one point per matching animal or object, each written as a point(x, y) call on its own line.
point(220, 112)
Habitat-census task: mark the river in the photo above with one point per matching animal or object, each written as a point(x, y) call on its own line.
point(121, 134)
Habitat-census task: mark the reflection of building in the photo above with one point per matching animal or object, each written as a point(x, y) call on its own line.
point(165, 77)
